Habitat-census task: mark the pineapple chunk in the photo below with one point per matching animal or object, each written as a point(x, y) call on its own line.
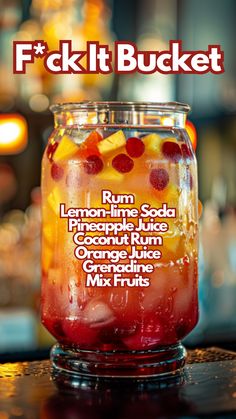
point(111, 143)
point(153, 143)
point(66, 148)
point(110, 174)
point(54, 199)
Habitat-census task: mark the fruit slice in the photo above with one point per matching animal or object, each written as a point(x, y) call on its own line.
point(54, 199)
point(112, 143)
point(66, 148)
point(110, 174)
point(152, 143)
point(90, 145)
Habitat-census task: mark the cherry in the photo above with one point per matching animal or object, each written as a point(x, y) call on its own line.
point(93, 165)
point(57, 172)
point(51, 148)
point(186, 151)
point(171, 151)
point(122, 163)
point(135, 147)
point(159, 179)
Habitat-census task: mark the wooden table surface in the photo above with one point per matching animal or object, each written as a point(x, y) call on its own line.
point(206, 389)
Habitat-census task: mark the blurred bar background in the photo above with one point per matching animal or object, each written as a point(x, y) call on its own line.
point(25, 123)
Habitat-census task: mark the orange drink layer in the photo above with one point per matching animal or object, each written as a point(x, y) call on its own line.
point(142, 310)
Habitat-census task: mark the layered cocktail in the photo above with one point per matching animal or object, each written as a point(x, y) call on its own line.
point(119, 240)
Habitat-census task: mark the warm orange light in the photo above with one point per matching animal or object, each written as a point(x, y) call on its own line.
point(191, 130)
point(13, 133)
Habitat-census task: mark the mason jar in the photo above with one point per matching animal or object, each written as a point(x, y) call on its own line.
point(119, 239)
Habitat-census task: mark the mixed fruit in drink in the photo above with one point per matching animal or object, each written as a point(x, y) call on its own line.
point(155, 169)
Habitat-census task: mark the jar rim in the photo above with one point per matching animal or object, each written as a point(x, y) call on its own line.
point(120, 105)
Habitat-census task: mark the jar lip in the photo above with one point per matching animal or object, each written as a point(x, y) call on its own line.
point(118, 105)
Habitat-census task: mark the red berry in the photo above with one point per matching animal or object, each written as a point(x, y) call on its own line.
point(93, 165)
point(57, 172)
point(171, 151)
point(122, 163)
point(135, 147)
point(51, 148)
point(186, 151)
point(159, 179)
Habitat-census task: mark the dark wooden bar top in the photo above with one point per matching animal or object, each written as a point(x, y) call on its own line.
point(206, 389)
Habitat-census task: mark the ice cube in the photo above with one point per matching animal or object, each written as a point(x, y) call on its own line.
point(164, 280)
point(150, 334)
point(98, 314)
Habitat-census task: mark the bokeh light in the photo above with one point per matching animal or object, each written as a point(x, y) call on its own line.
point(39, 103)
point(13, 133)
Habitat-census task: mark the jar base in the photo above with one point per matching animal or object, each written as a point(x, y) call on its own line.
point(76, 365)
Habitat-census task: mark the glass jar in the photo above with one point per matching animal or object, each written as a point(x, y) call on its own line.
point(119, 239)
